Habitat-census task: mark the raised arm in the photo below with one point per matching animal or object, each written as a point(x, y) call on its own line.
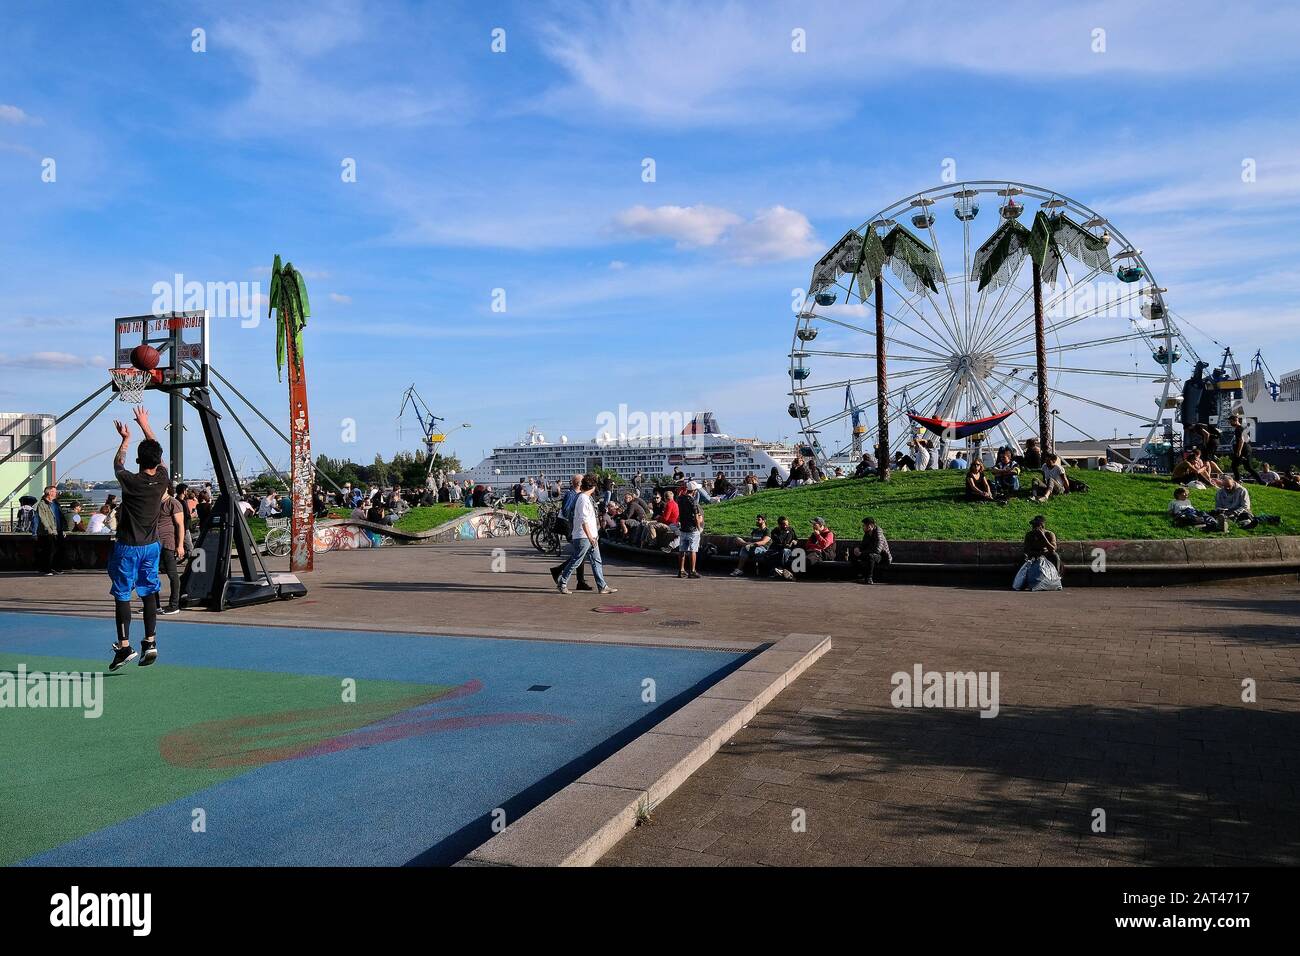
point(142, 419)
point(119, 460)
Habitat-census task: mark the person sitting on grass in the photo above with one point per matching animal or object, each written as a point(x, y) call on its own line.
point(1290, 481)
point(1185, 514)
point(873, 552)
point(904, 462)
point(1041, 543)
point(1232, 502)
point(780, 551)
point(1006, 473)
point(1032, 459)
point(1268, 476)
point(1054, 481)
point(978, 487)
point(754, 547)
point(799, 473)
point(1189, 468)
point(866, 466)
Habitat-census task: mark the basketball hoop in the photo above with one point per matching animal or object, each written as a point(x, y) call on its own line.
point(131, 383)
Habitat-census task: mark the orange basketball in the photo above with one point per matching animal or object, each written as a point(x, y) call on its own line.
point(144, 357)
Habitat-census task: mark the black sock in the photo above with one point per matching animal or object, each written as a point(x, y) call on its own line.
point(150, 616)
point(123, 609)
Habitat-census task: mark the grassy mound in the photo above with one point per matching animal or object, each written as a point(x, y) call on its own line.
point(931, 505)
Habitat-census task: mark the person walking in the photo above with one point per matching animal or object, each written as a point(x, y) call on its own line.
point(586, 540)
point(48, 529)
point(133, 565)
point(691, 521)
point(171, 547)
point(566, 513)
point(1241, 453)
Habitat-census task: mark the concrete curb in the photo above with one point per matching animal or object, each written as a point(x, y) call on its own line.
point(1161, 562)
point(582, 822)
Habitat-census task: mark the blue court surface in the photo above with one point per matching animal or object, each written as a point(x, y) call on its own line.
point(252, 745)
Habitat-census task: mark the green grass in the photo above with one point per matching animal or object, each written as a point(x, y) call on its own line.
point(931, 505)
point(422, 519)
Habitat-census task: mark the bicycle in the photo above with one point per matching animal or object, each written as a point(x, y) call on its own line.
point(503, 522)
point(278, 540)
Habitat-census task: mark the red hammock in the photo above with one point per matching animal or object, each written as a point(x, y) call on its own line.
point(950, 429)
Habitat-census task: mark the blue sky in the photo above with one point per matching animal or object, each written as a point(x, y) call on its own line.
point(522, 171)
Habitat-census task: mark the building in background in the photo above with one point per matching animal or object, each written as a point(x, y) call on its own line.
point(22, 431)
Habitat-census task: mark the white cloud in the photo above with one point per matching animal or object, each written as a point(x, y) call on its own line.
point(688, 225)
point(51, 361)
point(774, 234)
point(16, 116)
point(340, 298)
point(695, 65)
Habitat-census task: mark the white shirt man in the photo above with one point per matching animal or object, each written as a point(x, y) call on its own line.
point(921, 455)
point(267, 507)
point(97, 523)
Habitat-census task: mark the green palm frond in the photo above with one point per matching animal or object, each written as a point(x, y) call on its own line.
point(1056, 236)
point(840, 258)
point(998, 260)
point(912, 260)
point(288, 300)
point(871, 261)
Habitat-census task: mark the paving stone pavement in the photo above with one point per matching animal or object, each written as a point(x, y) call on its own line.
point(1127, 700)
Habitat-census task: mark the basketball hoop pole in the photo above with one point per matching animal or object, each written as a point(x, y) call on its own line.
point(176, 410)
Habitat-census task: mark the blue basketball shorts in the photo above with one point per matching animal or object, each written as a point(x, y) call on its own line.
point(133, 566)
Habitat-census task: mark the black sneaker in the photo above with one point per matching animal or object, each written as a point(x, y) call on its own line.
point(121, 655)
point(148, 652)
point(170, 610)
point(584, 587)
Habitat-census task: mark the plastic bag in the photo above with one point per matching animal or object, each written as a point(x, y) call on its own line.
point(1037, 574)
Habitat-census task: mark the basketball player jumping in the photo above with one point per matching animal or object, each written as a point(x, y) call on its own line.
point(134, 561)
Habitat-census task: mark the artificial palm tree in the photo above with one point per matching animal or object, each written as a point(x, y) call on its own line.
point(288, 300)
point(998, 261)
point(917, 266)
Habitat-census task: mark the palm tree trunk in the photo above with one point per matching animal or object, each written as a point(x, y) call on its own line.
point(882, 408)
point(1040, 345)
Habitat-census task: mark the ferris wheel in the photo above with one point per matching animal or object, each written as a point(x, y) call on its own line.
point(958, 293)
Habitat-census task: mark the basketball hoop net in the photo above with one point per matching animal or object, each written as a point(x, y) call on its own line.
point(131, 384)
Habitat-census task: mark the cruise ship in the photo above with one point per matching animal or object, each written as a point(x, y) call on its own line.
point(701, 450)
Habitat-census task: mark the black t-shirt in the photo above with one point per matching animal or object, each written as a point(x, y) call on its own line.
point(687, 509)
point(137, 521)
point(783, 537)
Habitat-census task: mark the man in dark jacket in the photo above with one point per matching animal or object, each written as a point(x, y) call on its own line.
point(47, 526)
point(871, 553)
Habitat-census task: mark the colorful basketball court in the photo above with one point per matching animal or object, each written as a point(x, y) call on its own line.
point(244, 745)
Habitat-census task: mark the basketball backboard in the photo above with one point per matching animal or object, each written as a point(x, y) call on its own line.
point(181, 339)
